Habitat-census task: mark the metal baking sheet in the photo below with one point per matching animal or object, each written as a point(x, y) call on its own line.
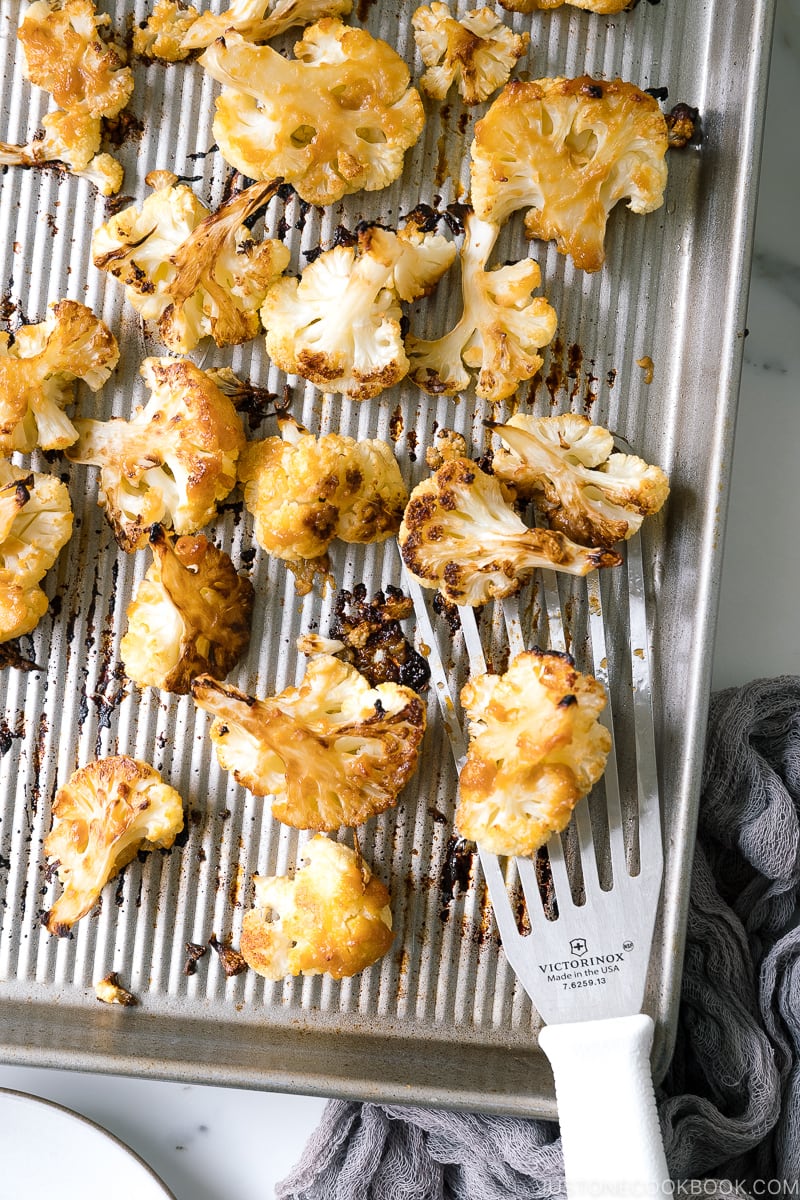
point(441, 1019)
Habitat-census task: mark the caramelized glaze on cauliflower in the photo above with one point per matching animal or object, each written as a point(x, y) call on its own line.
point(598, 6)
point(332, 917)
point(163, 35)
point(569, 467)
point(37, 374)
point(336, 119)
point(536, 747)
point(189, 616)
point(477, 52)
point(196, 273)
point(501, 330)
point(102, 816)
point(35, 523)
point(461, 536)
point(66, 54)
point(172, 462)
point(305, 491)
point(568, 150)
point(338, 325)
point(251, 19)
point(332, 752)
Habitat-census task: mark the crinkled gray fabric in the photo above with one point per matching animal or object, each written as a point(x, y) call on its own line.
point(730, 1105)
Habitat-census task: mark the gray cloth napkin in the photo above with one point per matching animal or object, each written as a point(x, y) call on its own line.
point(730, 1104)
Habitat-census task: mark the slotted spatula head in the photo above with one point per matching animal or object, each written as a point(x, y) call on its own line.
point(591, 901)
point(587, 950)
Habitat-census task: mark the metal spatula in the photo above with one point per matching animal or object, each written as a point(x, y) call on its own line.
point(584, 964)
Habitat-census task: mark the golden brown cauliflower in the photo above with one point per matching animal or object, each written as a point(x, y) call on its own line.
point(501, 329)
point(338, 325)
point(172, 462)
point(102, 816)
point(460, 535)
point(477, 52)
point(66, 54)
point(333, 917)
point(37, 374)
point(189, 616)
point(536, 747)
point(568, 150)
point(163, 35)
point(333, 751)
point(336, 119)
point(194, 272)
point(598, 6)
point(569, 467)
point(251, 19)
point(305, 491)
point(35, 523)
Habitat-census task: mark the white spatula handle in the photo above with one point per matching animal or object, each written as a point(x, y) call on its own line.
point(606, 1107)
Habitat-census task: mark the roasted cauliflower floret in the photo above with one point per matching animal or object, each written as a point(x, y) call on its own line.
point(103, 816)
point(477, 52)
point(251, 20)
point(336, 119)
point(461, 536)
point(172, 462)
point(66, 55)
point(598, 6)
point(163, 35)
point(37, 374)
point(569, 467)
point(536, 747)
point(332, 918)
point(501, 330)
point(568, 150)
point(333, 751)
point(35, 523)
point(190, 615)
point(194, 272)
point(305, 491)
point(338, 325)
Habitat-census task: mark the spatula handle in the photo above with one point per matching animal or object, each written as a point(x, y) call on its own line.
point(606, 1107)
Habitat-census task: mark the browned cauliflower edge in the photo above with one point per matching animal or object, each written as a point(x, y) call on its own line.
point(339, 324)
point(569, 467)
point(102, 816)
point(189, 616)
point(502, 327)
point(195, 273)
point(172, 462)
point(304, 492)
point(460, 535)
point(38, 369)
point(333, 917)
point(536, 747)
point(67, 54)
point(332, 751)
point(337, 118)
point(568, 150)
point(604, 7)
point(35, 523)
point(476, 52)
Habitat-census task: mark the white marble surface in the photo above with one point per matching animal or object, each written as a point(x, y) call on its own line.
point(213, 1144)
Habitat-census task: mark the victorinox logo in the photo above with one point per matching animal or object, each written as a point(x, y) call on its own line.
point(578, 946)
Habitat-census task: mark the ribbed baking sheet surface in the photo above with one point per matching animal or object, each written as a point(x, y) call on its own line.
point(441, 1017)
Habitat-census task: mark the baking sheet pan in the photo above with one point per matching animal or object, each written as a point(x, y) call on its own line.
point(441, 1018)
